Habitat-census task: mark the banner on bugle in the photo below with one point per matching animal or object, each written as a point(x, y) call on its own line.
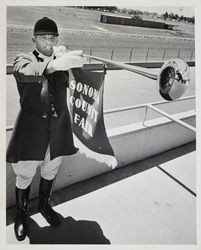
point(86, 106)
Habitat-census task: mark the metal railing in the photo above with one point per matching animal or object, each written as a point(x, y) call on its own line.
point(152, 106)
point(136, 54)
point(170, 117)
point(126, 108)
point(146, 106)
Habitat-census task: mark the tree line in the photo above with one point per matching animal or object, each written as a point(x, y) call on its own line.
point(129, 11)
point(172, 16)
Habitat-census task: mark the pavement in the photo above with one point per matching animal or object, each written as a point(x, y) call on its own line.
point(152, 201)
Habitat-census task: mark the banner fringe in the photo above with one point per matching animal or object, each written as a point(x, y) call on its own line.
point(109, 160)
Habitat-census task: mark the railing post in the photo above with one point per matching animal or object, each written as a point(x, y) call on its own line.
point(147, 55)
point(145, 115)
point(131, 52)
point(179, 53)
point(112, 53)
point(90, 55)
point(164, 55)
point(191, 55)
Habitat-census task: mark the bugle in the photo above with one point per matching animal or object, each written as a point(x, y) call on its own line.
point(172, 80)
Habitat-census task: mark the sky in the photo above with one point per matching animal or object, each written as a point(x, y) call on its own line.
point(185, 11)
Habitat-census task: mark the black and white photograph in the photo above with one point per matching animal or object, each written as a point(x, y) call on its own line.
point(100, 138)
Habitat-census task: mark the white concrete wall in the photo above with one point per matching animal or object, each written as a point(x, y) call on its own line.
point(130, 143)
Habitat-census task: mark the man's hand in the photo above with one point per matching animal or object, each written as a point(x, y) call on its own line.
point(59, 51)
point(71, 59)
point(68, 60)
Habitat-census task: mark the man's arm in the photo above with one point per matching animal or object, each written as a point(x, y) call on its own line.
point(68, 60)
point(28, 69)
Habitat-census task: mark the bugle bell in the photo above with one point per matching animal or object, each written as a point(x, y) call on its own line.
point(172, 81)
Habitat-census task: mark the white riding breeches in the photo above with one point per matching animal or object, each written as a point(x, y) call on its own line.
point(25, 170)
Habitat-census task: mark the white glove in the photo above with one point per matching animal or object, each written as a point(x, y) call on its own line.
point(68, 60)
point(59, 51)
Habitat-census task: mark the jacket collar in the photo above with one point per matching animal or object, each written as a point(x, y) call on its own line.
point(40, 57)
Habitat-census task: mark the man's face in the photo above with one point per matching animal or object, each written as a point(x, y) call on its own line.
point(45, 43)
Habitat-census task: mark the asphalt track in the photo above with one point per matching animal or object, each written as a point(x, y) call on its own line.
point(82, 19)
point(98, 29)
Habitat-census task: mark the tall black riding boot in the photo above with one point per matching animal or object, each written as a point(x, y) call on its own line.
point(20, 226)
point(44, 207)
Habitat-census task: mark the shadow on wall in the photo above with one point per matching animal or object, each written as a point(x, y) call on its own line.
point(69, 232)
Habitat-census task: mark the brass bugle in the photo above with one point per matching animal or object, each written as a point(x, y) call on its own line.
point(135, 69)
point(172, 80)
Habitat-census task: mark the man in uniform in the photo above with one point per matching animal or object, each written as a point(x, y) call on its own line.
point(42, 133)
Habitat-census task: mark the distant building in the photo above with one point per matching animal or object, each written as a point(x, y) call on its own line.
point(133, 21)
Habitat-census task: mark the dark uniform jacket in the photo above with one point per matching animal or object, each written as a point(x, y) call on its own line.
point(44, 116)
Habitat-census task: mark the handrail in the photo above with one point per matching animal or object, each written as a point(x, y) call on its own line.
point(144, 105)
point(184, 124)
